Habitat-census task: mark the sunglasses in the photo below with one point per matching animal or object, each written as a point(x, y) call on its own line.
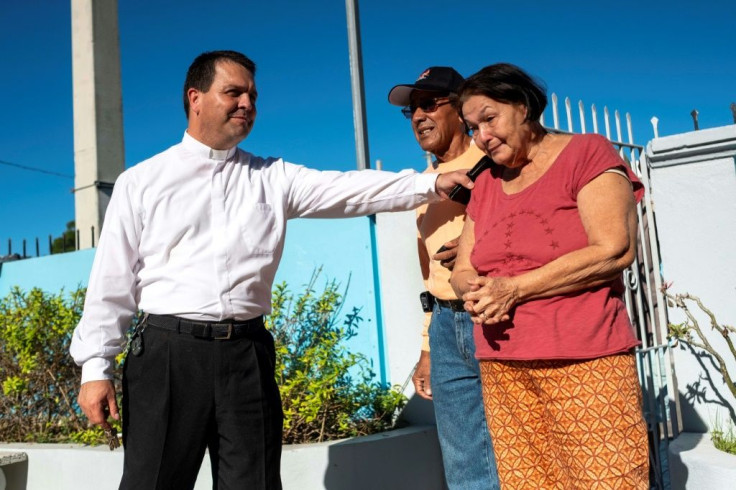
point(427, 105)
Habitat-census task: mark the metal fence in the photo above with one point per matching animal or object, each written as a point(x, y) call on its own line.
point(33, 249)
point(644, 299)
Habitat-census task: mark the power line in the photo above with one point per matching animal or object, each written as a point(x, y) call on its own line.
point(34, 169)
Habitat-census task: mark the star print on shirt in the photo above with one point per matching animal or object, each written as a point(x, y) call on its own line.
point(525, 218)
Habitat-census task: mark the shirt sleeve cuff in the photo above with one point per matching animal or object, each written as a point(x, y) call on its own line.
point(426, 184)
point(96, 368)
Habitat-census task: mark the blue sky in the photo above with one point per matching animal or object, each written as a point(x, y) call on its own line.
point(651, 58)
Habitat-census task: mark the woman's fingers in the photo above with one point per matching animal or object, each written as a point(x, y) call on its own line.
point(489, 299)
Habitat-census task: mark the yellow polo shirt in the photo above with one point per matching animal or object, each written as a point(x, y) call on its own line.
point(438, 223)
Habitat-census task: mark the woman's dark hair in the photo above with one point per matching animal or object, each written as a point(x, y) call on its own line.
point(506, 83)
point(201, 72)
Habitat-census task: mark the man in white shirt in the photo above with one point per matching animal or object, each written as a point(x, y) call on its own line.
point(193, 237)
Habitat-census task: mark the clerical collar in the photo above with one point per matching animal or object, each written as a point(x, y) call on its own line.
point(195, 146)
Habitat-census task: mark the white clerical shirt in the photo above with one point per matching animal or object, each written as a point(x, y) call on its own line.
point(198, 233)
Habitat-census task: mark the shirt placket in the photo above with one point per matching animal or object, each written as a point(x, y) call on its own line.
point(220, 241)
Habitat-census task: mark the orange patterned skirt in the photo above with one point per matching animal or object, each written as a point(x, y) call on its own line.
point(567, 424)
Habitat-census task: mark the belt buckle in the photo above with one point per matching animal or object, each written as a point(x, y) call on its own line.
point(226, 336)
point(201, 330)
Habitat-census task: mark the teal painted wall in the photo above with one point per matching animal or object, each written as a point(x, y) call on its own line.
point(342, 248)
point(51, 273)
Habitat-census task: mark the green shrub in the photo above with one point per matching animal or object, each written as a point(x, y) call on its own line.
point(327, 391)
point(39, 380)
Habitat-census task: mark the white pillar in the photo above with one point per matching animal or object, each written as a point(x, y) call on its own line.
point(99, 155)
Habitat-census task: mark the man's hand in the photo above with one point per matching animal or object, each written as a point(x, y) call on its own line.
point(447, 254)
point(97, 401)
point(421, 377)
point(445, 182)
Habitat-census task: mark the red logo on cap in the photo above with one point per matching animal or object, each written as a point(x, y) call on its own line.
point(423, 75)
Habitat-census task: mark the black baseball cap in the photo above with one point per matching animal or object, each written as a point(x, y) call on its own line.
point(433, 79)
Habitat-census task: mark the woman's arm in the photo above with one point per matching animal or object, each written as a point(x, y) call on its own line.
point(608, 213)
point(465, 280)
point(463, 274)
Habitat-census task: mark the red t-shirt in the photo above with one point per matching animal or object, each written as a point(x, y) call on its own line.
point(521, 232)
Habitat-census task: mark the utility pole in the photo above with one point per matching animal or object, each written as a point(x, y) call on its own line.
point(356, 82)
point(99, 154)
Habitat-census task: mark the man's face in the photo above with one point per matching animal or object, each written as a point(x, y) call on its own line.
point(223, 116)
point(436, 126)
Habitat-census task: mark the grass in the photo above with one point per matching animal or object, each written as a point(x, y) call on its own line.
point(725, 440)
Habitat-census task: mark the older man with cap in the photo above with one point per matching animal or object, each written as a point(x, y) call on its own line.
point(452, 378)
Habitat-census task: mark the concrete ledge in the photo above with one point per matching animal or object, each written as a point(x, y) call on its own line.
point(696, 464)
point(695, 146)
point(398, 459)
point(8, 458)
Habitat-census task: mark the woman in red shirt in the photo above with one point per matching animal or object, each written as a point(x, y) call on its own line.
point(549, 230)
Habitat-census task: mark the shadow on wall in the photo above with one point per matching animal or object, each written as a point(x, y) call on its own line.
point(702, 392)
point(686, 449)
point(678, 469)
point(393, 460)
point(417, 411)
point(15, 473)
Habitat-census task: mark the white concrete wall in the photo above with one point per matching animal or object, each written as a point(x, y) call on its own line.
point(694, 193)
point(402, 459)
point(401, 284)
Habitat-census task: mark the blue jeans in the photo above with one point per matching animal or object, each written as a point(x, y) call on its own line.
point(467, 450)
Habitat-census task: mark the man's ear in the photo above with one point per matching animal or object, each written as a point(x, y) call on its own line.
point(463, 126)
point(194, 96)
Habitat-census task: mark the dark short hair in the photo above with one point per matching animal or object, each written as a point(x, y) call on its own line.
point(506, 83)
point(201, 72)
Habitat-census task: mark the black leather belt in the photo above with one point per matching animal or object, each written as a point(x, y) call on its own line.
point(207, 330)
point(453, 304)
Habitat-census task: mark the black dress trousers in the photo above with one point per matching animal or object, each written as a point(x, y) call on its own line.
point(185, 394)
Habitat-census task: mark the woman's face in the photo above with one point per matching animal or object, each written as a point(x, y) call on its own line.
point(498, 129)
